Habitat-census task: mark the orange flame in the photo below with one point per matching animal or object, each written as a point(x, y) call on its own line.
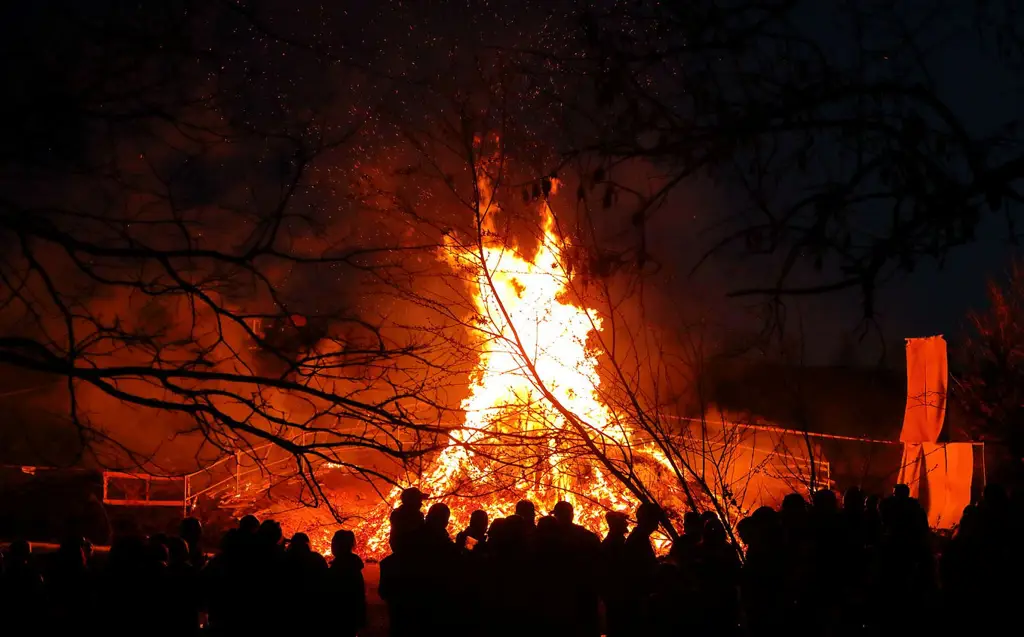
point(515, 442)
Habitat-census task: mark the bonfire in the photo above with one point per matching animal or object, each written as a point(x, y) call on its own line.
point(532, 416)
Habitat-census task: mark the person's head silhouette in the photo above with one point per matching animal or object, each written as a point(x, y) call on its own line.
point(693, 524)
point(648, 517)
point(714, 533)
point(618, 523)
point(300, 543)
point(413, 497)
point(438, 516)
point(270, 533)
point(249, 524)
point(825, 501)
point(563, 512)
point(478, 521)
point(853, 500)
point(343, 542)
point(526, 510)
point(191, 530)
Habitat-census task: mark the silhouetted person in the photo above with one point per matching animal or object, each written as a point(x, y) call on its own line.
point(70, 587)
point(223, 584)
point(404, 575)
point(630, 613)
point(797, 578)
point(159, 552)
point(829, 560)
point(473, 535)
point(21, 590)
point(767, 603)
point(181, 600)
point(191, 530)
point(963, 570)
point(904, 566)
point(270, 536)
point(618, 526)
point(676, 600)
point(854, 518)
point(719, 570)
point(305, 584)
point(638, 544)
point(495, 536)
point(435, 524)
point(548, 525)
point(131, 576)
point(582, 549)
point(794, 516)
point(553, 582)
point(248, 525)
point(407, 519)
point(684, 551)
point(346, 589)
point(438, 577)
point(248, 529)
point(526, 510)
point(398, 588)
point(264, 574)
point(999, 557)
point(579, 536)
point(872, 520)
point(301, 556)
point(853, 501)
point(517, 579)
point(994, 514)
point(473, 572)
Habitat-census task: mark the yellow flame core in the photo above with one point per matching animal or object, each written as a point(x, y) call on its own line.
point(515, 443)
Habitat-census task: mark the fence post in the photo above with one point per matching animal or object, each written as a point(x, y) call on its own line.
point(984, 467)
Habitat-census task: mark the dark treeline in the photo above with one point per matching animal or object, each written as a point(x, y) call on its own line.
point(864, 565)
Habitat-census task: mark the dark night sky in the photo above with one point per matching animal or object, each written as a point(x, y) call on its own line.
point(985, 93)
point(932, 299)
point(413, 36)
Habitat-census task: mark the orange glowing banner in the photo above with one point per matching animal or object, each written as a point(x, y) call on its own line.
point(950, 469)
point(927, 376)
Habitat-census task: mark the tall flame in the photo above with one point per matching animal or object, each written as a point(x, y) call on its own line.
point(534, 357)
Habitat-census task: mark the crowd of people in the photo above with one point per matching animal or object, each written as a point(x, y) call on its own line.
point(860, 566)
point(167, 586)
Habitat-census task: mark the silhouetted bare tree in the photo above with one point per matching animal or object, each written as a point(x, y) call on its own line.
point(175, 244)
point(990, 383)
point(839, 155)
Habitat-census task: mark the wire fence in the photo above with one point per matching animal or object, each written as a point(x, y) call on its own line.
point(235, 478)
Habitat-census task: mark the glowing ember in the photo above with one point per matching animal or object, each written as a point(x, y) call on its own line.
point(515, 443)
